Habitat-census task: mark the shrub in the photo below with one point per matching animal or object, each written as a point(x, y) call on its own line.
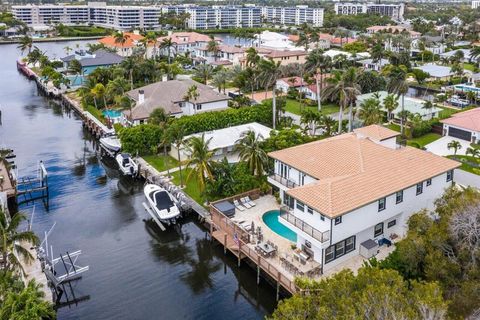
point(214, 120)
point(143, 139)
point(423, 128)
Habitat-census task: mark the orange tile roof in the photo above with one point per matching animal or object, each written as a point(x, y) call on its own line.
point(376, 132)
point(469, 120)
point(188, 37)
point(354, 171)
point(131, 41)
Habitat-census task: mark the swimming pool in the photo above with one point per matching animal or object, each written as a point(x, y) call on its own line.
point(271, 220)
point(112, 114)
point(466, 88)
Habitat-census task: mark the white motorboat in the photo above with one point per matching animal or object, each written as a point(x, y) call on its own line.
point(111, 143)
point(162, 202)
point(126, 164)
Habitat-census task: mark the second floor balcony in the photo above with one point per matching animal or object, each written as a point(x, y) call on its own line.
point(283, 181)
point(305, 227)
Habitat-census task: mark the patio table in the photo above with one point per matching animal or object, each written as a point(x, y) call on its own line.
point(266, 248)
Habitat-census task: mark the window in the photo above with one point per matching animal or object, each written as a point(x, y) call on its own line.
point(378, 230)
point(429, 182)
point(309, 210)
point(399, 196)
point(199, 107)
point(419, 188)
point(300, 206)
point(349, 244)
point(322, 218)
point(449, 175)
point(338, 220)
point(381, 204)
point(339, 249)
point(329, 254)
point(391, 223)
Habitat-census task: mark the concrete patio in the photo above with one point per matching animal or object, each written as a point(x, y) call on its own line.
point(439, 147)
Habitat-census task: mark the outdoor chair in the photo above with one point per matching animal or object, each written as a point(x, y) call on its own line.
point(245, 203)
point(253, 204)
point(238, 206)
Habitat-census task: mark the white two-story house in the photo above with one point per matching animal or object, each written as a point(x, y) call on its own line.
point(345, 193)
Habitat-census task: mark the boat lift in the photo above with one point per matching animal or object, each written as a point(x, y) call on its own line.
point(30, 189)
point(57, 276)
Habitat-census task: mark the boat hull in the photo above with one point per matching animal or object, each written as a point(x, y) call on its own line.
point(164, 214)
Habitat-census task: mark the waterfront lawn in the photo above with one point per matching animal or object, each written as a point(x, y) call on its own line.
point(447, 112)
point(161, 162)
point(82, 31)
point(294, 106)
point(469, 163)
point(191, 186)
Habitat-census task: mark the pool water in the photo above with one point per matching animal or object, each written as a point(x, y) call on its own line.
point(271, 220)
point(111, 113)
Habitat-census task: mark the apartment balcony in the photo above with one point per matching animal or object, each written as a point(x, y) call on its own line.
point(305, 227)
point(276, 178)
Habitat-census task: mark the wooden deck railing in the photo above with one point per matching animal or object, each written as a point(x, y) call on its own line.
point(232, 231)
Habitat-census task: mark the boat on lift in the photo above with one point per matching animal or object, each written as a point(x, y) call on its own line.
point(162, 203)
point(126, 164)
point(111, 143)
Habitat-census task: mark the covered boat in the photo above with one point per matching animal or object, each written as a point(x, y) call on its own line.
point(162, 202)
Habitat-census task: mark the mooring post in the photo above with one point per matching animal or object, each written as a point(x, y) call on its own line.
point(225, 243)
point(258, 270)
point(278, 285)
point(239, 253)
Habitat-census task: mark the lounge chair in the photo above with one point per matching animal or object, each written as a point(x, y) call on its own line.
point(245, 203)
point(238, 206)
point(253, 204)
point(245, 225)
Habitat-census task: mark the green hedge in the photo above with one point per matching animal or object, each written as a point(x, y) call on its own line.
point(214, 120)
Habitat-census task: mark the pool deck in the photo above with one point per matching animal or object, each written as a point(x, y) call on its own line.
point(226, 229)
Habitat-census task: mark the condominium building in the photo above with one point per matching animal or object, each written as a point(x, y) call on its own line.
point(346, 195)
point(147, 17)
point(394, 11)
point(475, 4)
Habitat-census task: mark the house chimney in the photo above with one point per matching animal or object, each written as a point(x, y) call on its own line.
point(141, 96)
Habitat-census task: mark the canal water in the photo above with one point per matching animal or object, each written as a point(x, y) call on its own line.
point(136, 271)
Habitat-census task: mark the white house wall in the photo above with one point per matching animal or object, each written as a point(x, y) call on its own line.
point(188, 108)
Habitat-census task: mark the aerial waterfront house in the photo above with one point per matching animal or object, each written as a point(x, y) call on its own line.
point(222, 141)
point(185, 42)
point(345, 195)
point(170, 95)
point(132, 41)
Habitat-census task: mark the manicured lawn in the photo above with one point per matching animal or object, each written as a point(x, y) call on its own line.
point(293, 106)
point(191, 187)
point(426, 139)
point(161, 162)
point(466, 166)
point(469, 67)
point(446, 112)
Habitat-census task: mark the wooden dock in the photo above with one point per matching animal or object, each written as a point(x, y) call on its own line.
point(237, 241)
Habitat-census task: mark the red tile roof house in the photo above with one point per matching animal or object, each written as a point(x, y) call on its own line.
point(347, 195)
point(132, 40)
point(186, 42)
point(310, 90)
point(463, 125)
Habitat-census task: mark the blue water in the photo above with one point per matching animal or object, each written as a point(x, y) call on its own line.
point(271, 220)
point(467, 88)
point(112, 113)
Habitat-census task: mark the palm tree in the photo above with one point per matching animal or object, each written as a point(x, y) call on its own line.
point(390, 103)
point(220, 79)
point(116, 87)
point(252, 57)
point(475, 54)
point(67, 50)
point(200, 159)
point(270, 71)
point(98, 92)
point(316, 63)
point(474, 152)
point(397, 83)
point(250, 151)
point(204, 71)
point(370, 112)
point(121, 38)
point(192, 95)
point(167, 43)
point(25, 44)
point(176, 133)
point(213, 47)
point(343, 87)
point(75, 67)
point(327, 124)
point(129, 64)
point(12, 241)
point(455, 145)
point(428, 105)
point(310, 119)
